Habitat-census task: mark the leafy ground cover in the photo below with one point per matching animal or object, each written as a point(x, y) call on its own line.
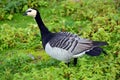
point(21, 53)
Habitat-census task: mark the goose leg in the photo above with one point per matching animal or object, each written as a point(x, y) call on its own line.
point(75, 61)
point(67, 64)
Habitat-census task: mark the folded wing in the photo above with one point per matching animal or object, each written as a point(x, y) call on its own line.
point(73, 43)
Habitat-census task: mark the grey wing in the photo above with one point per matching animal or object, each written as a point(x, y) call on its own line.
point(70, 42)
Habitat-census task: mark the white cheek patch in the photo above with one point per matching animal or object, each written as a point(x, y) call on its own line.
point(33, 13)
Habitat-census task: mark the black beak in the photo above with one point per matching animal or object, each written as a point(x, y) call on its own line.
point(25, 14)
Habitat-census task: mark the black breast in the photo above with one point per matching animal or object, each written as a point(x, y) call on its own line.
point(47, 38)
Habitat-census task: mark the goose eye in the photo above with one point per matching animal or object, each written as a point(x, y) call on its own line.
point(29, 11)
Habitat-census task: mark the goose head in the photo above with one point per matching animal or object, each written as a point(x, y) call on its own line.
point(31, 12)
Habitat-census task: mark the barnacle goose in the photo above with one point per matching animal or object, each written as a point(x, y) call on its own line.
point(64, 46)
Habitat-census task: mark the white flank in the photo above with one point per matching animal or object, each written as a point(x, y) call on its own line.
point(61, 54)
point(58, 53)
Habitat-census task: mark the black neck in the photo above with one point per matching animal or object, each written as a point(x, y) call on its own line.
point(44, 31)
point(46, 35)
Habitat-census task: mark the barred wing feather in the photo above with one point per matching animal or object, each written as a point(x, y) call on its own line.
point(70, 42)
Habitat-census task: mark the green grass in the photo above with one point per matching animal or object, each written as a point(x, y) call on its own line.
point(19, 65)
point(19, 21)
point(23, 58)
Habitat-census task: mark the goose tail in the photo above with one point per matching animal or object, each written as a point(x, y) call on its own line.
point(96, 51)
point(99, 43)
